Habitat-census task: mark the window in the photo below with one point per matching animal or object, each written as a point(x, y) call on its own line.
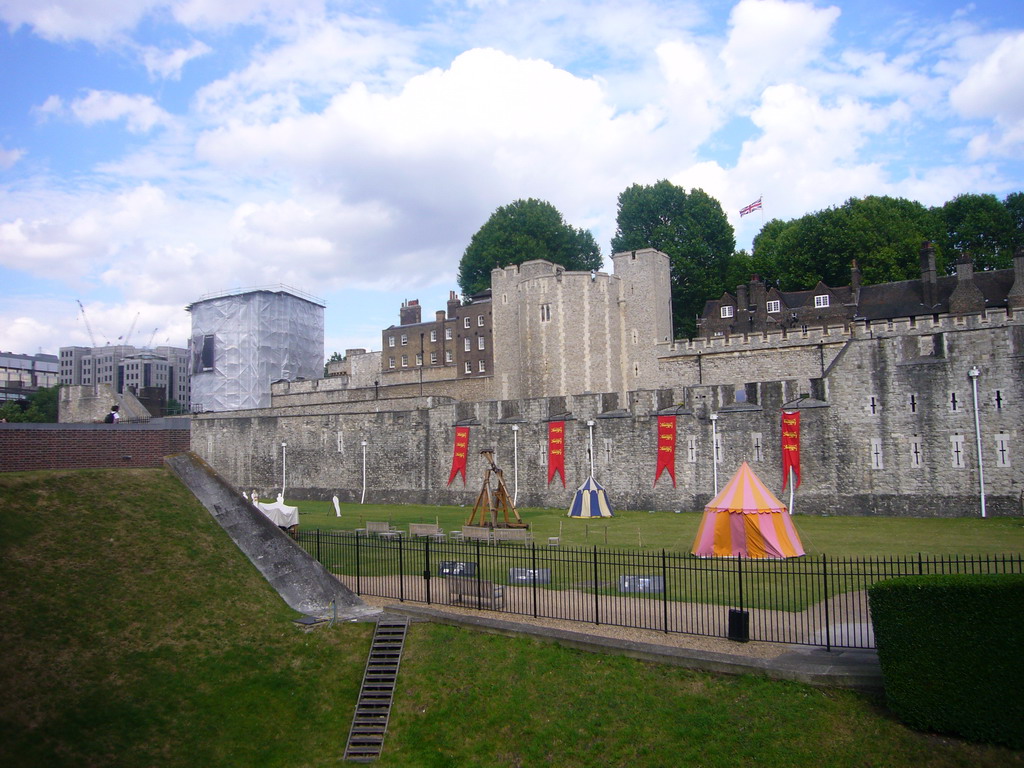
point(433, 335)
point(727, 311)
point(956, 451)
point(480, 344)
point(916, 452)
point(447, 355)
point(448, 334)
point(466, 322)
point(391, 341)
point(467, 344)
point(545, 312)
point(405, 339)
point(419, 358)
point(1002, 450)
point(433, 358)
point(482, 367)
point(876, 453)
point(820, 301)
point(391, 362)
point(774, 306)
point(469, 367)
point(206, 355)
point(405, 361)
point(480, 321)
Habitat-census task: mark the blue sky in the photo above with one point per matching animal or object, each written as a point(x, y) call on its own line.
point(155, 151)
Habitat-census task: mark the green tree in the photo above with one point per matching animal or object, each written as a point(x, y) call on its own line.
point(39, 407)
point(882, 234)
point(980, 225)
point(1014, 203)
point(692, 230)
point(335, 357)
point(522, 231)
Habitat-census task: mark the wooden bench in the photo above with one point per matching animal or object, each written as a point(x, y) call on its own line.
point(473, 592)
point(476, 533)
point(377, 528)
point(515, 535)
point(429, 530)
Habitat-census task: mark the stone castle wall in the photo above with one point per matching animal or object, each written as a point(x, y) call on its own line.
point(887, 423)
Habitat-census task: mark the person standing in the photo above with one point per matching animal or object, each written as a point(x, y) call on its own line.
point(114, 416)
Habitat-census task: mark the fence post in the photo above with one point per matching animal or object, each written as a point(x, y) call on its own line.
point(664, 591)
point(319, 559)
point(359, 570)
point(426, 566)
point(401, 571)
point(828, 624)
point(597, 601)
point(739, 579)
point(533, 579)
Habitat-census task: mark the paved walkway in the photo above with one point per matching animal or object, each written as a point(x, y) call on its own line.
point(843, 668)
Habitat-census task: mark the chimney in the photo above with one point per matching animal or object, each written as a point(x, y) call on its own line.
point(439, 316)
point(1015, 299)
point(453, 304)
point(410, 312)
point(966, 297)
point(741, 298)
point(855, 280)
point(757, 293)
point(929, 289)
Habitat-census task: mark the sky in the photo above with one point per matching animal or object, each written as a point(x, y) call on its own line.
point(153, 152)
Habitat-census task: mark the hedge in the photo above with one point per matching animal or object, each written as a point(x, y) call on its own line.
point(952, 653)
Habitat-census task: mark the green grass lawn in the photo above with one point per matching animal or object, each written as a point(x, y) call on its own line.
point(136, 634)
point(833, 536)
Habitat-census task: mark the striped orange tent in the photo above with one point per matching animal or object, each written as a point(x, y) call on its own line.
point(746, 520)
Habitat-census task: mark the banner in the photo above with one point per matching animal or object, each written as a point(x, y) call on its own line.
point(790, 446)
point(666, 448)
point(459, 456)
point(556, 450)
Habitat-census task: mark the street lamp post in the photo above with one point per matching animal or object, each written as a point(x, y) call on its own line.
point(714, 449)
point(974, 372)
point(590, 426)
point(515, 464)
point(362, 498)
point(284, 467)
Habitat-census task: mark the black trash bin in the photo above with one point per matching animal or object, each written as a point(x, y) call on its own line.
point(739, 625)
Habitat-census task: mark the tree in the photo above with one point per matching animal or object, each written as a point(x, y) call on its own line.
point(522, 231)
point(980, 225)
point(1014, 203)
point(882, 234)
point(334, 358)
point(39, 407)
point(692, 230)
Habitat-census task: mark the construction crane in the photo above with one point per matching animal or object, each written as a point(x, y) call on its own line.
point(131, 329)
point(151, 337)
point(92, 339)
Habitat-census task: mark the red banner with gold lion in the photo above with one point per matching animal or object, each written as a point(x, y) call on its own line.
point(790, 446)
point(666, 448)
point(556, 450)
point(460, 453)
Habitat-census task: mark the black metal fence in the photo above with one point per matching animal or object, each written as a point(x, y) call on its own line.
point(811, 600)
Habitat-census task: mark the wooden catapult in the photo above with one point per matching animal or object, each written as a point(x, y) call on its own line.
point(490, 502)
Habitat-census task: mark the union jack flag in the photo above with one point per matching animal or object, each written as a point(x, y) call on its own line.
point(754, 206)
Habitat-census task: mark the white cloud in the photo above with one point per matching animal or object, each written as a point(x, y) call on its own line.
point(992, 89)
point(8, 157)
point(140, 113)
point(771, 41)
point(168, 64)
point(98, 21)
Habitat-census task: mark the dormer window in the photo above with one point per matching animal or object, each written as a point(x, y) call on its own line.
point(820, 301)
point(774, 306)
point(727, 310)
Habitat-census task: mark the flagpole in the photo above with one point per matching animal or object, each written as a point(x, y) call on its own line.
point(791, 487)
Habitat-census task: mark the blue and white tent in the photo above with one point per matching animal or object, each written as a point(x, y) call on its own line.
point(590, 500)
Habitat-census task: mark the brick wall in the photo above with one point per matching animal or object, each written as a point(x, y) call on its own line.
point(79, 446)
